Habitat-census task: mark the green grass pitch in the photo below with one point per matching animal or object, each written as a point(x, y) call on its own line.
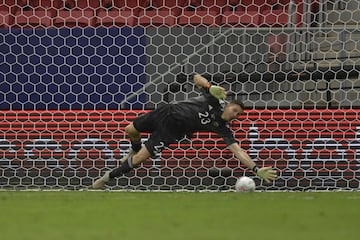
point(179, 215)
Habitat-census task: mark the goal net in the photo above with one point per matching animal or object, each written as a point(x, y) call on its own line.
point(73, 74)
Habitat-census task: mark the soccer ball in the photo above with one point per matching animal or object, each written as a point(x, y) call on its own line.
point(245, 184)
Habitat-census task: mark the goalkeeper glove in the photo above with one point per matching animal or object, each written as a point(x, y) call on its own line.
point(218, 92)
point(266, 173)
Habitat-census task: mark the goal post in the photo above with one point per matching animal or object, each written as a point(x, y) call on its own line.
point(73, 76)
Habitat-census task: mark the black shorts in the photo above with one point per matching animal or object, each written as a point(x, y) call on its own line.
point(163, 128)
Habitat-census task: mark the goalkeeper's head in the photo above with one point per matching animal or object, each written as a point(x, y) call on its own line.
point(233, 110)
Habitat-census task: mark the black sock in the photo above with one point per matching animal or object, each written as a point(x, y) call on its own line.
point(136, 146)
point(124, 168)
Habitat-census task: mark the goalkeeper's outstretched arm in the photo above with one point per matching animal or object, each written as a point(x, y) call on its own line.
point(201, 82)
point(216, 91)
point(266, 173)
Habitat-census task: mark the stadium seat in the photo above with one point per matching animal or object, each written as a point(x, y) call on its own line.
point(245, 13)
point(72, 13)
point(34, 13)
point(281, 13)
point(315, 12)
point(277, 44)
point(8, 9)
point(159, 12)
point(117, 13)
point(198, 12)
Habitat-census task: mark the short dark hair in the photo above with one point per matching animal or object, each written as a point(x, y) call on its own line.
point(238, 102)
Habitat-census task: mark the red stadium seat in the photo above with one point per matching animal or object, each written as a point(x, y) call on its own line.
point(277, 43)
point(80, 13)
point(198, 12)
point(34, 13)
point(159, 12)
point(8, 9)
point(280, 14)
point(117, 13)
point(315, 12)
point(245, 13)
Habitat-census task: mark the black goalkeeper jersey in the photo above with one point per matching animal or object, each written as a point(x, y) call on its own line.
point(200, 114)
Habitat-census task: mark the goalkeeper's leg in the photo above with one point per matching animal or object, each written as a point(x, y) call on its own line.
point(135, 140)
point(127, 160)
point(155, 144)
point(132, 162)
point(125, 167)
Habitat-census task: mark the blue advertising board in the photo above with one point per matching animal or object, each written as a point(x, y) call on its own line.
point(77, 68)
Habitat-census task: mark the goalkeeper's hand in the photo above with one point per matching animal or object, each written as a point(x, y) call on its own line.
point(267, 173)
point(218, 92)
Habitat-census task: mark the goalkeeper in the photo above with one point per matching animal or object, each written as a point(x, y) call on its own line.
point(173, 121)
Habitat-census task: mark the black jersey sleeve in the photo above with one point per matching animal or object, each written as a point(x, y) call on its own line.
point(210, 98)
point(227, 135)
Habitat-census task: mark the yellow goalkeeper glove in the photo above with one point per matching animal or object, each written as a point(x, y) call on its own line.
point(266, 173)
point(218, 92)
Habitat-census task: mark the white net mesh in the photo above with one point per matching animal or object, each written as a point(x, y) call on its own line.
point(73, 74)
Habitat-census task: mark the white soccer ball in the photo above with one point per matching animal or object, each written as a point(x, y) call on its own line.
point(245, 184)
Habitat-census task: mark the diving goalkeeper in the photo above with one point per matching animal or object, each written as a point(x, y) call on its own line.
point(173, 121)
